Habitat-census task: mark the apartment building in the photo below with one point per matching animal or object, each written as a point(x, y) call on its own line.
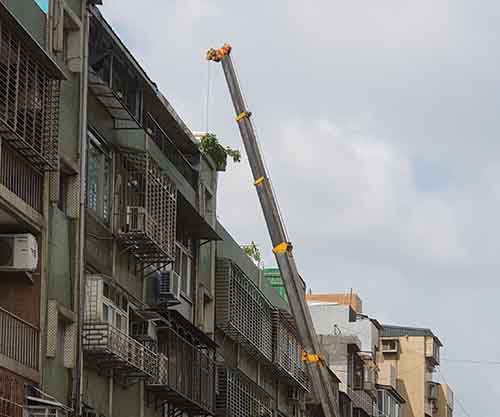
point(350, 344)
point(413, 355)
point(34, 285)
point(260, 367)
point(149, 245)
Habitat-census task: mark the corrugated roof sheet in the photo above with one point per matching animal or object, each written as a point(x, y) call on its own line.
point(400, 331)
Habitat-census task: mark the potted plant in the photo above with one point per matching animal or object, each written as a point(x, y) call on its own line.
point(209, 145)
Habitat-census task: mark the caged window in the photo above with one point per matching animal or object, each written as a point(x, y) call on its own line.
point(99, 179)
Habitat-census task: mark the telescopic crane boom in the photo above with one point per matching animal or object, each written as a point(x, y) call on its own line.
point(282, 248)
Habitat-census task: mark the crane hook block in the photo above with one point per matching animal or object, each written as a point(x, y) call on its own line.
point(282, 247)
point(218, 54)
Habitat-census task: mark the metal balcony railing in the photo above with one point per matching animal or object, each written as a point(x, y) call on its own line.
point(239, 396)
point(18, 339)
point(242, 311)
point(146, 209)
point(11, 396)
point(113, 349)
point(170, 150)
point(186, 375)
point(20, 177)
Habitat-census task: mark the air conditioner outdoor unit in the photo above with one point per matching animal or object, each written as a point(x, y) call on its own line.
point(145, 331)
point(170, 287)
point(136, 219)
point(18, 252)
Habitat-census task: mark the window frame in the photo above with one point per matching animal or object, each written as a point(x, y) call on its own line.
point(178, 266)
point(103, 179)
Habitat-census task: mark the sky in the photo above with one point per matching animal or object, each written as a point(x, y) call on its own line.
point(378, 121)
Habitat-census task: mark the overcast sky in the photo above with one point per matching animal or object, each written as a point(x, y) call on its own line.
point(379, 125)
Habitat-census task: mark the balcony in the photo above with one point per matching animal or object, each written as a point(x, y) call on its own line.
point(170, 150)
point(185, 377)
point(242, 311)
point(239, 396)
point(432, 348)
point(11, 396)
point(287, 350)
point(360, 399)
point(29, 111)
point(146, 208)
point(111, 349)
point(18, 341)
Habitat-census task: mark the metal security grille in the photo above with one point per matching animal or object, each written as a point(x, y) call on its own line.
point(287, 349)
point(11, 396)
point(239, 396)
point(29, 102)
point(242, 311)
point(186, 374)
point(146, 208)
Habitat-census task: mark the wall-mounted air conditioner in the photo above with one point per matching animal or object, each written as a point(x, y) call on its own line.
point(170, 287)
point(145, 331)
point(18, 252)
point(136, 219)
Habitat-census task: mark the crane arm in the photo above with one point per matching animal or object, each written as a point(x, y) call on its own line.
point(282, 248)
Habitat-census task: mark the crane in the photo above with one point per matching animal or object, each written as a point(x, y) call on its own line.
point(282, 248)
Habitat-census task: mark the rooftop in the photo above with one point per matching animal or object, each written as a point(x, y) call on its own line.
point(400, 331)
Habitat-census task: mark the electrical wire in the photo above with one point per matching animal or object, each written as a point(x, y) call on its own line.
point(455, 396)
point(472, 361)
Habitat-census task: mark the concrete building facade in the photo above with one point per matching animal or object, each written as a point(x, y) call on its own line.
point(350, 342)
point(413, 354)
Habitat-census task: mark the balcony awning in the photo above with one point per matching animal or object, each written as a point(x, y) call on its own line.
point(35, 48)
point(192, 223)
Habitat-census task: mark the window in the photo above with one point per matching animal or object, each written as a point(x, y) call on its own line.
point(183, 264)
point(390, 345)
point(115, 308)
point(99, 179)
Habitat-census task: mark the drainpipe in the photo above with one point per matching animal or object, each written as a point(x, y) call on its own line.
point(80, 282)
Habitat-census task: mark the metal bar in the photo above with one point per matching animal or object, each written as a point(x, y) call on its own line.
point(319, 375)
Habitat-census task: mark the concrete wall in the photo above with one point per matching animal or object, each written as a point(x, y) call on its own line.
point(326, 316)
point(411, 369)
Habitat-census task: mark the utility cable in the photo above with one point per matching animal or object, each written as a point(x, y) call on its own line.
point(455, 396)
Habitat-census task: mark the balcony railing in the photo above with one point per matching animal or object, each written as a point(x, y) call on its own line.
point(113, 349)
point(360, 399)
point(186, 375)
point(239, 396)
point(11, 396)
point(242, 311)
point(147, 208)
point(18, 176)
point(18, 340)
point(170, 150)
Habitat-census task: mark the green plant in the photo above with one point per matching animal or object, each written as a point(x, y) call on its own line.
point(209, 145)
point(252, 251)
